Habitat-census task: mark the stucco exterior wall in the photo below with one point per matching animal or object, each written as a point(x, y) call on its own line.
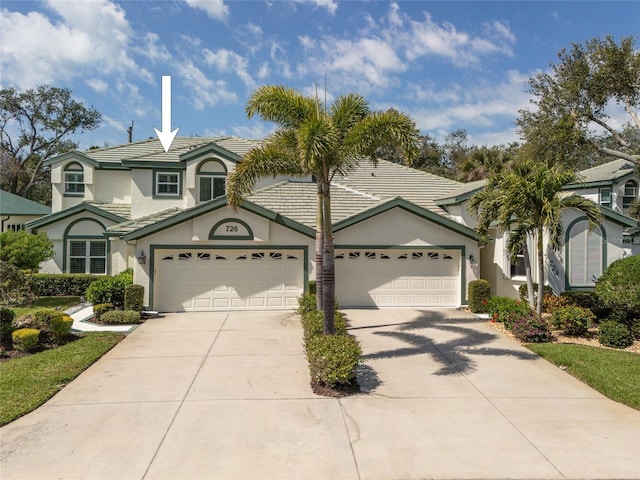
point(142, 200)
point(112, 186)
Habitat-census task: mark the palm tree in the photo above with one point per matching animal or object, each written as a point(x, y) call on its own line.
point(312, 139)
point(484, 162)
point(528, 202)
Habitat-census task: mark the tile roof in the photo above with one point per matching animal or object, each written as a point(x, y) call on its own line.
point(120, 209)
point(461, 193)
point(11, 204)
point(138, 223)
point(607, 171)
point(151, 149)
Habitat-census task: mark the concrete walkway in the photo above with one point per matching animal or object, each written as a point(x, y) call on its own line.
point(227, 396)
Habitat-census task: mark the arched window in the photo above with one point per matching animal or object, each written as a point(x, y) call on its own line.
point(585, 254)
point(630, 193)
point(73, 179)
point(212, 176)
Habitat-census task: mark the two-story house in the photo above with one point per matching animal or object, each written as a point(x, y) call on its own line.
point(165, 215)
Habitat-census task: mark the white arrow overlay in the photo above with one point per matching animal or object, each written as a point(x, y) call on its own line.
point(166, 136)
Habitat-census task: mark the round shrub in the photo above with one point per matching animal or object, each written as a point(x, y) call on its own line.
point(120, 316)
point(572, 320)
point(61, 326)
point(26, 339)
point(619, 288)
point(614, 334)
point(531, 329)
point(333, 359)
point(479, 293)
point(101, 308)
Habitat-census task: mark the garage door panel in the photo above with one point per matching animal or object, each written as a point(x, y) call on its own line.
point(201, 280)
point(398, 277)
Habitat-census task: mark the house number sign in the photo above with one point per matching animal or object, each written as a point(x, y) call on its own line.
point(231, 229)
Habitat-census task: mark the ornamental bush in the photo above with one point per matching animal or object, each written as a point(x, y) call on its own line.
point(121, 316)
point(614, 334)
point(333, 359)
point(619, 286)
point(581, 299)
point(6, 326)
point(507, 310)
point(524, 295)
point(26, 339)
point(134, 297)
point(313, 324)
point(573, 320)
point(531, 329)
point(15, 286)
point(479, 293)
point(110, 289)
point(101, 308)
point(60, 327)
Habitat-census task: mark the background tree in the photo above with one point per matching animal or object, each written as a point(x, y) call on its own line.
point(572, 123)
point(527, 202)
point(321, 141)
point(483, 162)
point(25, 250)
point(34, 126)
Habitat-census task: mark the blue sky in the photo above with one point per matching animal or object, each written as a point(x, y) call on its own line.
point(449, 65)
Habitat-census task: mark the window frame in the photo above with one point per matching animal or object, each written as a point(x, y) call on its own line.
point(601, 196)
point(87, 256)
point(215, 170)
point(157, 183)
point(570, 250)
point(629, 197)
point(70, 170)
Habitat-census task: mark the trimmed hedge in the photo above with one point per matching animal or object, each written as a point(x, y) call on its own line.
point(619, 287)
point(101, 308)
point(479, 294)
point(60, 326)
point(57, 284)
point(313, 324)
point(110, 289)
point(120, 316)
point(614, 334)
point(333, 359)
point(26, 339)
point(134, 297)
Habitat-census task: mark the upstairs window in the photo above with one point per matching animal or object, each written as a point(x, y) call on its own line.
point(167, 184)
point(517, 265)
point(605, 196)
point(73, 180)
point(212, 176)
point(630, 193)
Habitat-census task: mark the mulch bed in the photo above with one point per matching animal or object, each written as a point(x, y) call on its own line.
point(339, 391)
point(7, 354)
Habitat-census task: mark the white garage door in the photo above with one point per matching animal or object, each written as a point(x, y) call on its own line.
point(206, 280)
point(398, 278)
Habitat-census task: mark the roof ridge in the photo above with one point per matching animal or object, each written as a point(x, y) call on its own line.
point(357, 192)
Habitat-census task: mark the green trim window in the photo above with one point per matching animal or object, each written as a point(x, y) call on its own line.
point(211, 180)
point(585, 255)
point(605, 196)
point(88, 256)
point(73, 180)
point(630, 193)
point(167, 184)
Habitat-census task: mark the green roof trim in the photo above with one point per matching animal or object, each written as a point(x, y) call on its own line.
point(81, 207)
point(184, 215)
point(210, 148)
point(462, 194)
point(11, 204)
point(617, 217)
point(399, 202)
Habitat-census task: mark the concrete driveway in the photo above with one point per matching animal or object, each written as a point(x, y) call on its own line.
point(227, 396)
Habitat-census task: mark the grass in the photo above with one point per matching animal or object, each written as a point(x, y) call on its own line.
point(28, 382)
point(47, 302)
point(614, 373)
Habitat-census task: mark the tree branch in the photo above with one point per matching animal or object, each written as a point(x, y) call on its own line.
point(621, 141)
point(632, 114)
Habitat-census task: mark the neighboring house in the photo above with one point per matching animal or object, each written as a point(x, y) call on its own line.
point(16, 211)
point(165, 215)
point(584, 255)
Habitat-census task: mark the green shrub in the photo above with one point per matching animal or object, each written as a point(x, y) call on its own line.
point(43, 316)
point(506, 310)
point(121, 316)
point(333, 359)
point(15, 286)
point(479, 293)
point(306, 303)
point(134, 297)
point(60, 326)
point(101, 308)
point(614, 334)
point(26, 339)
point(110, 289)
point(581, 299)
point(619, 286)
point(57, 284)
point(6, 326)
point(312, 287)
point(313, 324)
point(572, 320)
point(524, 295)
point(531, 329)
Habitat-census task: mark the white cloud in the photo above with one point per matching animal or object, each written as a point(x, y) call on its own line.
point(330, 6)
point(99, 86)
point(89, 39)
point(215, 9)
point(204, 91)
point(153, 49)
point(227, 61)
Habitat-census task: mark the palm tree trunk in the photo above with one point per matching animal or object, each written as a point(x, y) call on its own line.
point(527, 269)
point(319, 250)
point(540, 273)
point(328, 264)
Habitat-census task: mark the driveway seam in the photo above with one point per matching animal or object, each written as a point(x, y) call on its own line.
point(175, 415)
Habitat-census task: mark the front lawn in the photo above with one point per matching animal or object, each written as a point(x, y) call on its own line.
point(61, 303)
point(29, 381)
point(614, 373)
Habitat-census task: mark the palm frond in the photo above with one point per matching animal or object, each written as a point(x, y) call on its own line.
point(281, 105)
